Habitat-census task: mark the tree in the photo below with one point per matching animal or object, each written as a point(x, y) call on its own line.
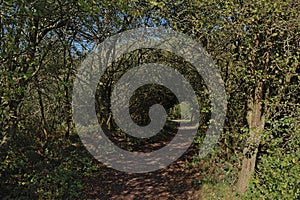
point(255, 45)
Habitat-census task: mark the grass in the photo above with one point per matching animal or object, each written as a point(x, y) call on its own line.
point(217, 191)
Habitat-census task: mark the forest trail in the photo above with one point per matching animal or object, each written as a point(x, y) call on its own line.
point(174, 182)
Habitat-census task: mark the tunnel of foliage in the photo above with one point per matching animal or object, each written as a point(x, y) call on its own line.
point(255, 45)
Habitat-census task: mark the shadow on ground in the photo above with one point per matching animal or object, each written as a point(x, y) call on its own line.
point(174, 182)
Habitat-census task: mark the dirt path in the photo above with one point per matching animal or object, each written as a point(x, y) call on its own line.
point(173, 182)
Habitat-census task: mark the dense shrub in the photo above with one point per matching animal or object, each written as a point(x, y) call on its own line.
point(277, 174)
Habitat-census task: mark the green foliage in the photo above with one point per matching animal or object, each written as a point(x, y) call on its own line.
point(219, 190)
point(277, 175)
point(251, 42)
point(43, 42)
point(54, 171)
point(181, 111)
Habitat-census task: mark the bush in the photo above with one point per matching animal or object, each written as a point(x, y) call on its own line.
point(54, 171)
point(277, 175)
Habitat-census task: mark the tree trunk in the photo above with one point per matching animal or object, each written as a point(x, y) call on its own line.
point(256, 122)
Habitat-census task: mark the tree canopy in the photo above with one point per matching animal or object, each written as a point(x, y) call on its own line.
point(254, 44)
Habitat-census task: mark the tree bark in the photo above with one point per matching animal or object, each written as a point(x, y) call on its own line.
point(256, 122)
